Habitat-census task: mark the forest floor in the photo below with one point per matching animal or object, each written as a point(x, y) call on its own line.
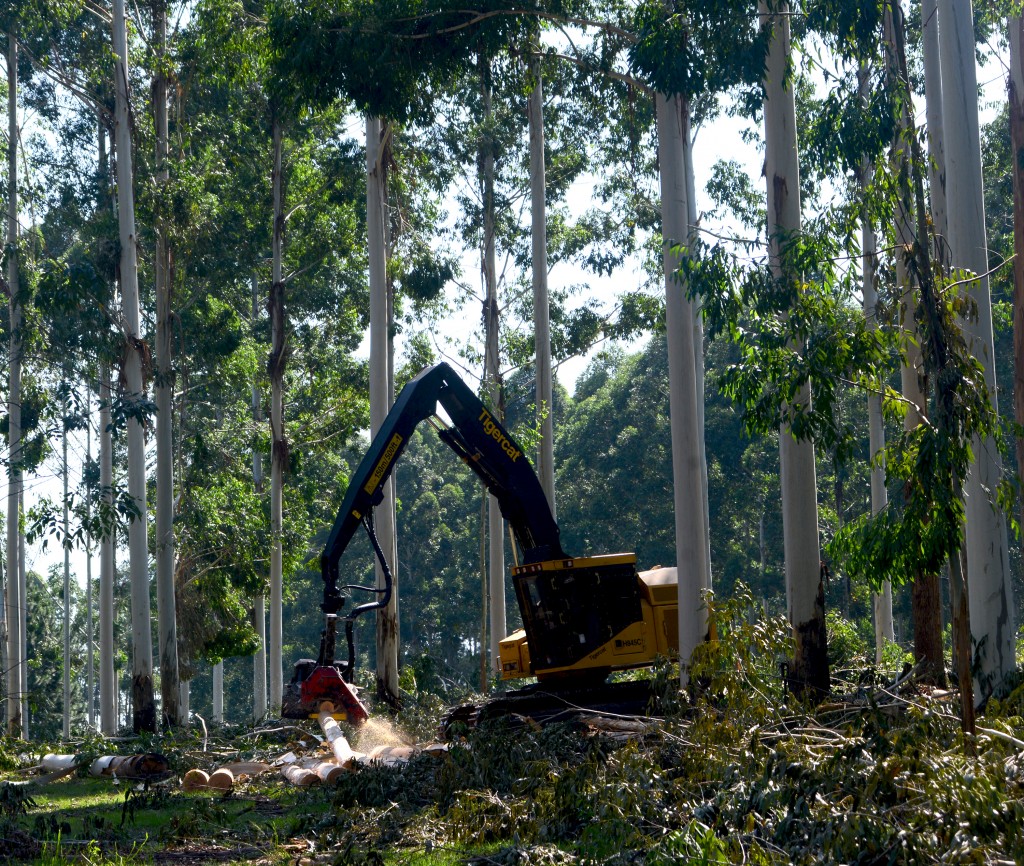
point(731, 772)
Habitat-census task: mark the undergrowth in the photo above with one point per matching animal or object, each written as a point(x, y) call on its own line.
point(738, 774)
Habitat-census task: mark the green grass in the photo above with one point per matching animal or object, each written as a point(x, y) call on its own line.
point(99, 823)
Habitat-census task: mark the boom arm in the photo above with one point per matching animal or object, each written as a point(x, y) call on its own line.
point(477, 437)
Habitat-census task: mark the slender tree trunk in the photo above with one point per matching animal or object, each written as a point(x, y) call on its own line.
point(946, 385)
point(990, 587)
point(143, 703)
point(933, 117)
point(881, 601)
point(691, 543)
point(1015, 94)
point(259, 613)
point(926, 593)
point(26, 683)
point(492, 369)
point(90, 661)
point(805, 591)
point(15, 601)
point(67, 571)
point(218, 693)
point(108, 681)
point(541, 326)
point(384, 514)
point(698, 355)
point(166, 606)
point(279, 453)
point(484, 591)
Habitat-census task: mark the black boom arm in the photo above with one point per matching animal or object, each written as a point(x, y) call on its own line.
point(477, 437)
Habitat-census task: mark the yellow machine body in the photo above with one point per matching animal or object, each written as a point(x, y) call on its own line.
point(587, 616)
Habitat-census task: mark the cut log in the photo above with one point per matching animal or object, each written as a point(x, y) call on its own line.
point(248, 768)
point(222, 780)
point(328, 772)
point(55, 763)
point(300, 776)
point(142, 766)
point(343, 753)
point(195, 780)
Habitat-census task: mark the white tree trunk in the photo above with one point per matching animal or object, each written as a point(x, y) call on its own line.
point(990, 592)
point(143, 704)
point(384, 514)
point(691, 541)
point(541, 325)
point(15, 601)
point(108, 682)
point(698, 352)
point(26, 683)
point(279, 452)
point(492, 379)
point(218, 693)
point(166, 603)
point(933, 117)
point(259, 613)
point(804, 588)
point(66, 715)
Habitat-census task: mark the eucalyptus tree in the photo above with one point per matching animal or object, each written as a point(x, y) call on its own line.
point(164, 387)
point(988, 568)
point(15, 603)
point(1015, 100)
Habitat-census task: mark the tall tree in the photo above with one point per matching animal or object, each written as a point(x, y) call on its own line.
point(279, 444)
point(805, 591)
point(164, 387)
point(143, 703)
point(990, 591)
point(377, 137)
point(688, 487)
point(1015, 98)
point(539, 271)
point(15, 602)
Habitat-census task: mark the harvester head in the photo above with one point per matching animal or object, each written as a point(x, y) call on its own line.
point(313, 684)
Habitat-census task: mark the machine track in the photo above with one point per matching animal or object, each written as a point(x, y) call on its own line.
point(543, 704)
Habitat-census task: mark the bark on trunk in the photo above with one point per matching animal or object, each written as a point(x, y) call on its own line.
point(279, 447)
point(108, 682)
point(143, 703)
point(1015, 96)
point(218, 693)
point(384, 514)
point(541, 326)
point(163, 278)
point(259, 614)
point(66, 715)
point(805, 591)
point(15, 603)
point(686, 435)
point(492, 371)
point(933, 117)
point(987, 563)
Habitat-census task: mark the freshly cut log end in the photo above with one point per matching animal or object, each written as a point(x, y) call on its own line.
point(222, 780)
point(195, 780)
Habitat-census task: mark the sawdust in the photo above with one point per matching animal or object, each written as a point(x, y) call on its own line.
point(377, 731)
